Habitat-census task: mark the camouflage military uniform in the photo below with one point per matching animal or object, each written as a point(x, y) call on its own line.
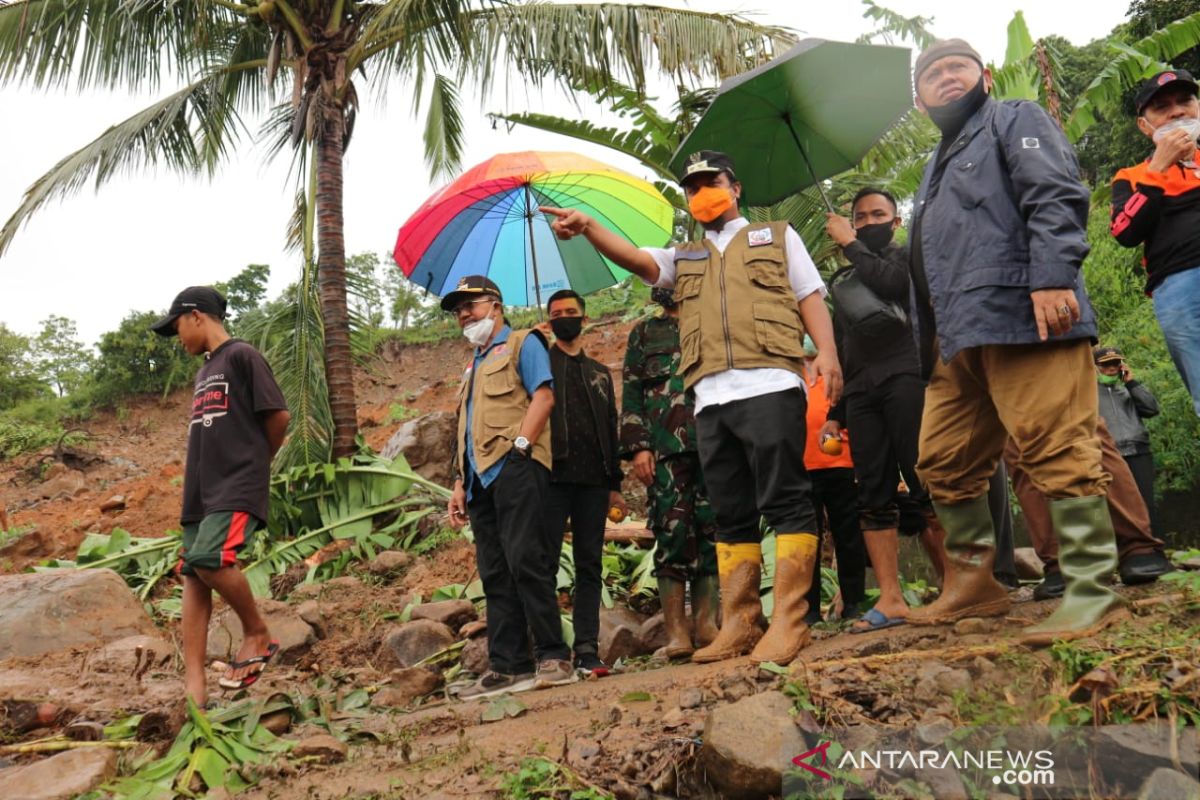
point(656, 415)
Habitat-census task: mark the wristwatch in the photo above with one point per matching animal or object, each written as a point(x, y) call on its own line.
point(521, 445)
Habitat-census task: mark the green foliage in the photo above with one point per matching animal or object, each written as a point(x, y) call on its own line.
point(141, 561)
point(62, 359)
point(539, 778)
point(244, 293)
point(1115, 283)
point(19, 379)
point(135, 360)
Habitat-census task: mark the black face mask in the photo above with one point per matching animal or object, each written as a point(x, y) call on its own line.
point(875, 236)
point(567, 328)
point(951, 117)
point(664, 297)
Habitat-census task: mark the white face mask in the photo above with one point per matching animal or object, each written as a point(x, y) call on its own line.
point(479, 331)
point(1189, 124)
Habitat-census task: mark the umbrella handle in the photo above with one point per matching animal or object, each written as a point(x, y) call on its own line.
point(804, 154)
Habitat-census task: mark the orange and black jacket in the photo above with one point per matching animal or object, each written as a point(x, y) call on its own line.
point(1161, 211)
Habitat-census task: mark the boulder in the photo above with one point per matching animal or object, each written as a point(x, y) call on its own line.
point(114, 503)
point(748, 745)
point(1029, 566)
point(475, 656)
point(406, 685)
point(619, 634)
point(653, 632)
point(1131, 753)
point(409, 644)
point(294, 635)
point(427, 443)
point(1169, 784)
point(389, 562)
point(60, 777)
point(69, 484)
point(323, 748)
point(48, 611)
point(451, 613)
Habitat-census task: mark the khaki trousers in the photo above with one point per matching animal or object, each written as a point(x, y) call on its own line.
point(1042, 395)
point(1131, 520)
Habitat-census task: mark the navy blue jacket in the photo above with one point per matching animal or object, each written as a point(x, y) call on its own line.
point(1001, 212)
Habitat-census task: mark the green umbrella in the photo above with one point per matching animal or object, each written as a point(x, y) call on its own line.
point(804, 116)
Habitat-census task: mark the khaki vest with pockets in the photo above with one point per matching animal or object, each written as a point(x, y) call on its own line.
point(737, 310)
point(498, 407)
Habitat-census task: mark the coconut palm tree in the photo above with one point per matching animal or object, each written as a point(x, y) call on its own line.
point(235, 59)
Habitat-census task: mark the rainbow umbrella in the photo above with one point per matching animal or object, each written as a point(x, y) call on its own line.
point(487, 223)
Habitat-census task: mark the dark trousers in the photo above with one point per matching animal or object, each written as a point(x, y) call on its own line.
point(835, 497)
point(587, 508)
point(1142, 467)
point(511, 542)
point(1005, 566)
point(886, 425)
point(752, 454)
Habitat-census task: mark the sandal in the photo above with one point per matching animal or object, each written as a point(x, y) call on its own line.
point(233, 684)
point(877, 621)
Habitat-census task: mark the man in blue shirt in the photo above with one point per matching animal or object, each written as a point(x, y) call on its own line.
point(503, 473)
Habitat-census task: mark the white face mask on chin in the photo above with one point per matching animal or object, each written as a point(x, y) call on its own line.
point(1189, 124)
point(479, 331)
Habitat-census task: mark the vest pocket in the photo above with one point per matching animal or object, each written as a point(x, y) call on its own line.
point(778, 329)
point(768, 270)
point(689, 342)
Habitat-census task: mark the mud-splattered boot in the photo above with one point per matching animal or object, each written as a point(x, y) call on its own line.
point(740, 568)
point(795, 563)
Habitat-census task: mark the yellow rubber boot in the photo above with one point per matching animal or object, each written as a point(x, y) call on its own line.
point(795, 564)
point(740, 570)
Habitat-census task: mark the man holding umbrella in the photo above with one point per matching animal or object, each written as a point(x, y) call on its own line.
point(999, 234)
point(746, 294)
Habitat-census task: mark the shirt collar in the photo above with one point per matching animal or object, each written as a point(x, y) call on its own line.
point(731, 227)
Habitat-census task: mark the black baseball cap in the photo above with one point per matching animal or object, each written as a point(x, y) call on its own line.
point(1156, 83)
point(194, 298)
point(468, 288)
point(1106, 355)
point(706, 162)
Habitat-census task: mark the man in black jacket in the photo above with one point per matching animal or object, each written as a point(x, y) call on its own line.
point(586, 479)
point(1124, 403)
point(998, 239)
point(882, 400)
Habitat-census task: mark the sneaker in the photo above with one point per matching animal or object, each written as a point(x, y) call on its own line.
point(554, 672)
point(591, 664)
point(492, 683)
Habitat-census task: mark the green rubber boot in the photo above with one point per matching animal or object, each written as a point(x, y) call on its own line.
point(706, 608)
point(1087, 555)
point(968, 588)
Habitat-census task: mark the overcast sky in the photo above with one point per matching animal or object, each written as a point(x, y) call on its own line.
point(97, 256)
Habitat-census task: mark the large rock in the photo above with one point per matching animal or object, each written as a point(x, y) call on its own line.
point(124, 656)
point(406, 685)
point(1169, 784)
point(409, 644)
point(427, 443)
point(1130, 753)
point(59, 777)
point(69, 484)
point(47, 611)
point(451, 613)
point(748, 744)
point(1029, 566)
point(295, 635)
point(620, 634)
point(389, 562)
point(475, 656)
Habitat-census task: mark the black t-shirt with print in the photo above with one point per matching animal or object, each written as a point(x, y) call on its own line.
point(228, 455)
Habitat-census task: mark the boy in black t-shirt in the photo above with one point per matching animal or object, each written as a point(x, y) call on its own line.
point(239, 420)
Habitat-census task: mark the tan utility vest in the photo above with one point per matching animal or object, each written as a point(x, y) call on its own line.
point(498, 405)
point(737, 310)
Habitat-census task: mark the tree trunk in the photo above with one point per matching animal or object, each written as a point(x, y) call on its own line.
point(331, 280)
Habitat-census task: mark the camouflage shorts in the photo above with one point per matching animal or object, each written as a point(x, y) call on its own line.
point(682, 520)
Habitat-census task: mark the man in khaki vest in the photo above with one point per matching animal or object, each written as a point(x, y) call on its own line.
point(502, 476)
point(746, 294)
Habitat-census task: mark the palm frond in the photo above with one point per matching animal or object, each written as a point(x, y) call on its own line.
point(189, 132)
point(108, 43)
point(893, 27)
point(443, 129)
point(632, 143)
point(1130, 64)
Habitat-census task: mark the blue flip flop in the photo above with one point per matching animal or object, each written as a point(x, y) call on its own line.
point(877, 621)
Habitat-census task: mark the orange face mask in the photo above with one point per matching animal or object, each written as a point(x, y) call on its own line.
point(709, 203)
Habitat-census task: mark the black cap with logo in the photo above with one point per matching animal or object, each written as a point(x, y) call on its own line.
point(707, 162)
point(1159, 81)
point(194, 298)
point(469, 288)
